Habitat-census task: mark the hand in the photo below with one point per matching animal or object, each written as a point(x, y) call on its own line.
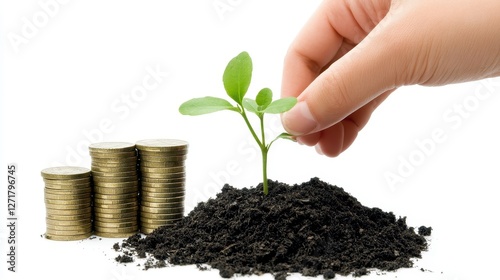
point(352, 54)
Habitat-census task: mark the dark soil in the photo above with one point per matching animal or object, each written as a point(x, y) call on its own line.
point(313, 229)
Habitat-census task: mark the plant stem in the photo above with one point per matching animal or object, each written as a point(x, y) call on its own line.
point(264, 170)
point(262, 145)
point(244, 115)
point(264, 150)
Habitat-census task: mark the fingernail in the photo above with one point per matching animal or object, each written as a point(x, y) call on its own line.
point(318, 150)
point(299, 120)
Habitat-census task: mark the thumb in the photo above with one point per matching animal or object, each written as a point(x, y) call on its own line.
point(352, 81)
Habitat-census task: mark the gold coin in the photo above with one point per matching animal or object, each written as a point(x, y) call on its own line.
point(160, 195)
point(164, 164)
point(71, 190)
point(87, 199)
point(111, 147)
point(116, 196)
point(162, 170)
point(79, 195)
point(150, 222)
point(75, 217)
point(79, 228)
point(115, 225)
point(115, 174)
point(111, 161)
point(118, 185)
point(163, 205)
point(87, 192)
point(161, 145)
point(161, 216)
point(143, 158)
point(69, 223)
point(66, 196)
point(164, 185)
point(116, 206)
point(99, 215)
point(105, 190)
point(65, 172)
point(99, 166)
point(114, 155)
point(157, 221)
point(62, 188)
point(116, 230)
point(68, 182)
point(81, 192)
point(115, 235)
point(155, 210)
point(162, 154)
point(171, 200)
point(161, 199)
point(67, 206)
point(163, 190)
point(158, 180)
point(132, 219)
point(99, 201)
point(157, 225)
point(115, 210)
point(65, 232)
point(145, 230)
point(164, 176)
point(68, 212)
point(99, 179)
point(114, 169)
point(75, 188)
point(149, 230)
point(68, 237)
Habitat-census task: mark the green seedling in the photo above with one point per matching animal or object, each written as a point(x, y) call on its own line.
point(236, 79)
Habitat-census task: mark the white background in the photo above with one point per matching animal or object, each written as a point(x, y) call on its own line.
point(75, 68)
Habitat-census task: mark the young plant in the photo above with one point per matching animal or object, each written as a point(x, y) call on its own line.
point(236, 79)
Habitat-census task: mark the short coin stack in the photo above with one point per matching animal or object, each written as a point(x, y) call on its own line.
point(163, 178)
point(116, 189)
point(68, 200)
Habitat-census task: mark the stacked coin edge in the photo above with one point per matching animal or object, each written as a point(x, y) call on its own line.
point(68, 202)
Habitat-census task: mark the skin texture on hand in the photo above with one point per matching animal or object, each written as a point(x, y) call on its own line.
point(352, 54)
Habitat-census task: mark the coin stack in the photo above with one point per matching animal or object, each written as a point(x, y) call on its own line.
point(163, 177)
point(68, 199)
point(116, 189)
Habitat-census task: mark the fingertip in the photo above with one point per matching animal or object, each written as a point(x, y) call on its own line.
point(319, 150)
point(299, 120)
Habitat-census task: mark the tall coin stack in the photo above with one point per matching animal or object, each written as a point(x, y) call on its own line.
point(163, 177)
point(116, 189)
point(68, 200)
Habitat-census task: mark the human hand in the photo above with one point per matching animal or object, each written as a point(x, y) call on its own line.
point(352, 54)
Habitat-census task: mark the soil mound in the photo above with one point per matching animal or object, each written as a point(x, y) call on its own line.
point(313, 228)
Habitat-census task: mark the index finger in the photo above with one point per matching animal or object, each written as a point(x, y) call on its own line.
point(314, 47)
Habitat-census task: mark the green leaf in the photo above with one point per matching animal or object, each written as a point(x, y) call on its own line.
point(283, 135)
point(250, 105)
point(205, 105)
point(281, 105)
point(237, 76)
point(287, 136)
point(264, 98)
